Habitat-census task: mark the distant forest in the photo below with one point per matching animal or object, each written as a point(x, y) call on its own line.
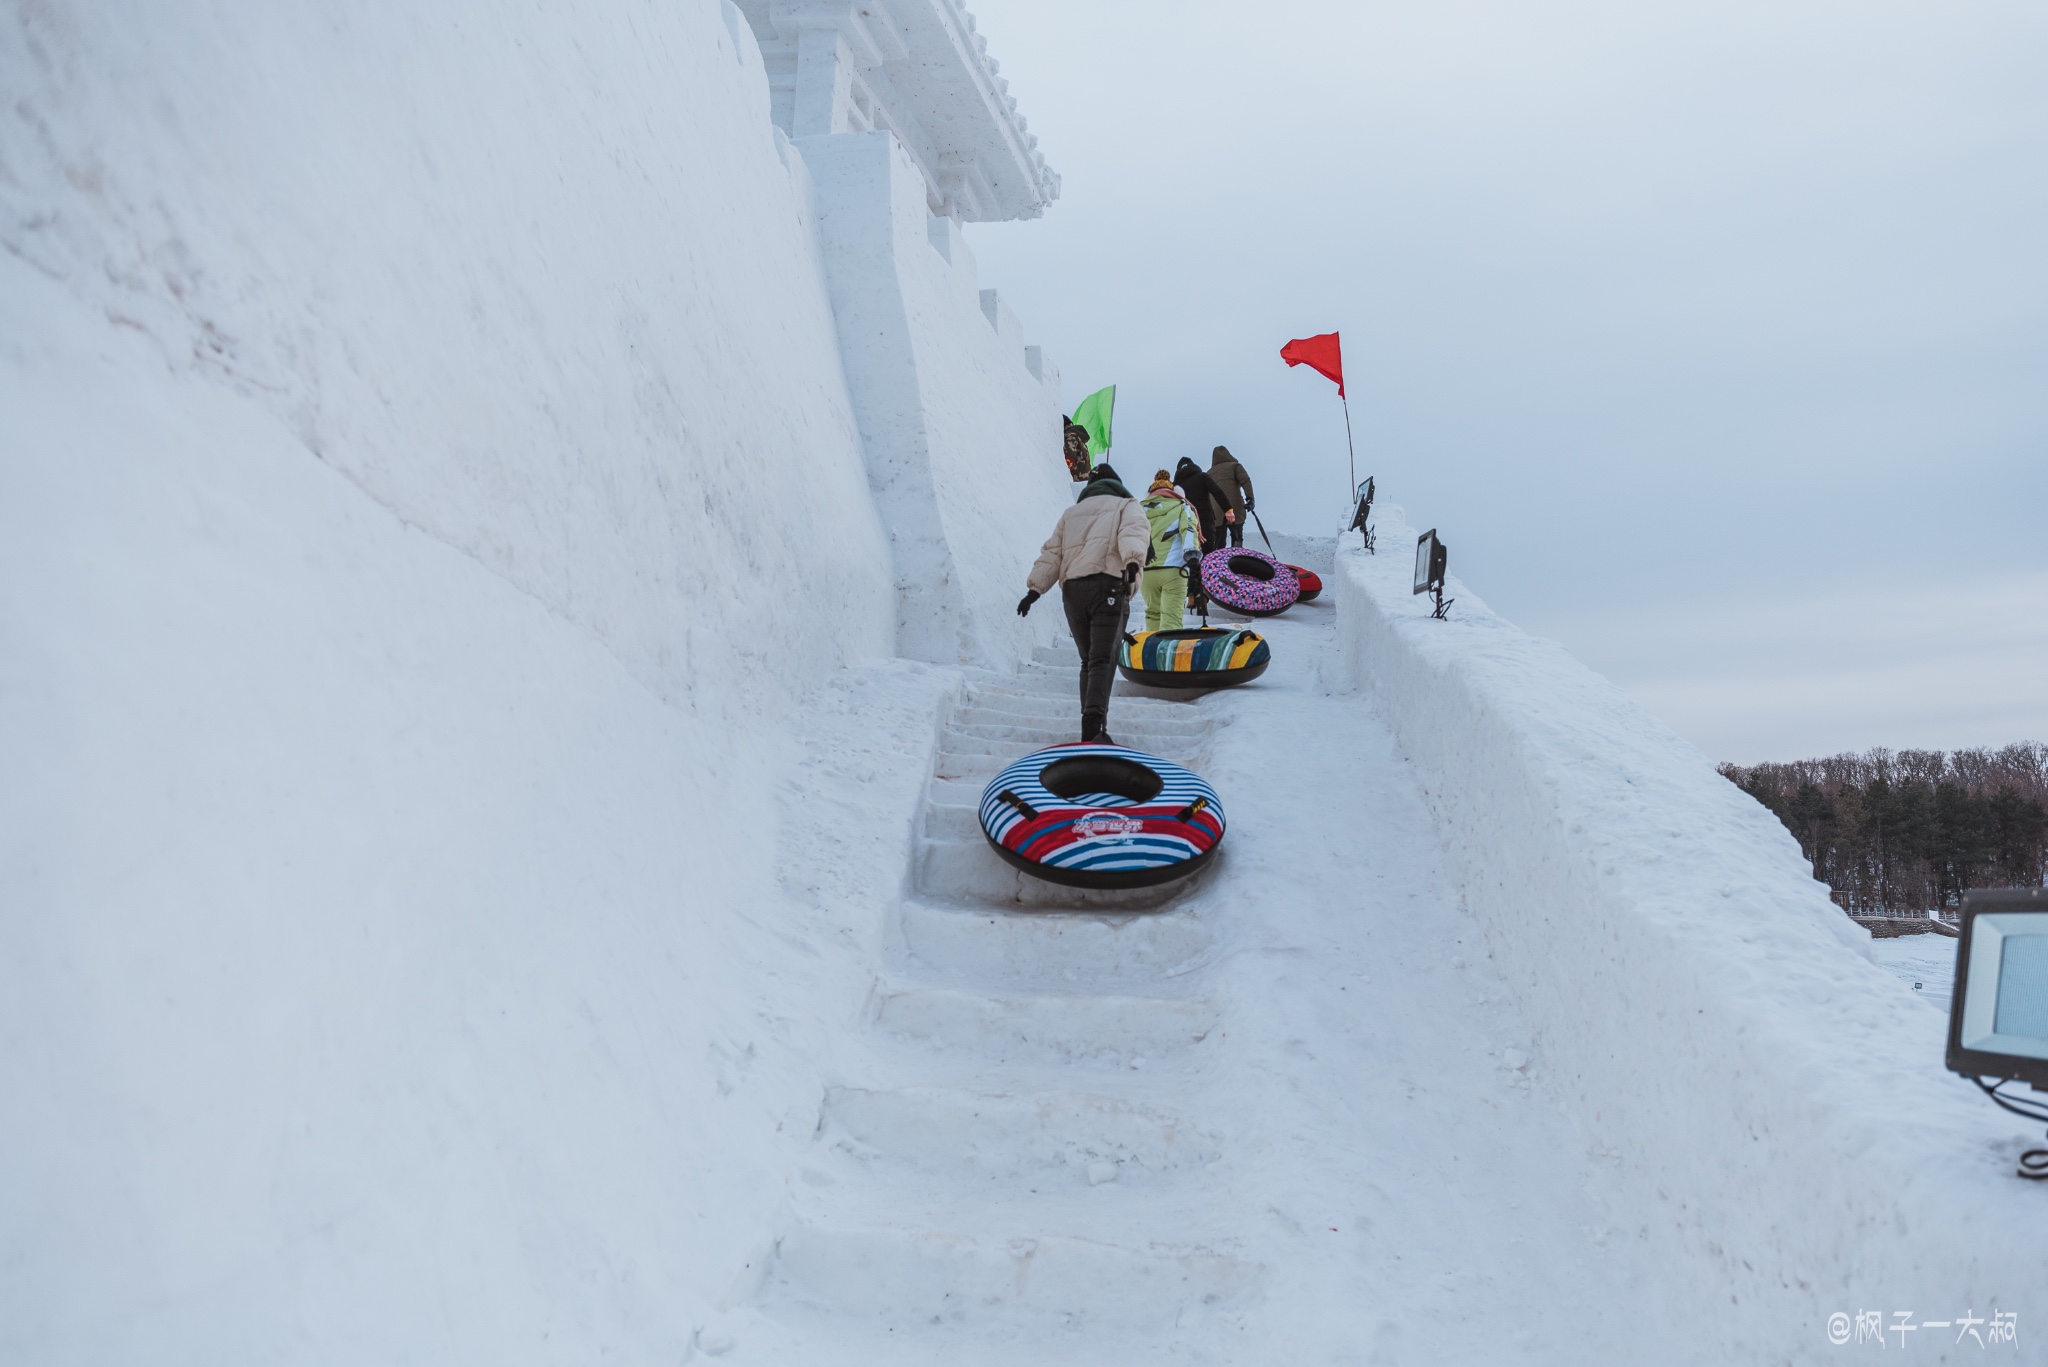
point(1906, 832)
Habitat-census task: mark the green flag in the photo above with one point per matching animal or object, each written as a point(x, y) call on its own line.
point(1093, 414)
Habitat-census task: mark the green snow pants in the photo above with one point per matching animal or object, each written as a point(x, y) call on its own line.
point(1166, 598)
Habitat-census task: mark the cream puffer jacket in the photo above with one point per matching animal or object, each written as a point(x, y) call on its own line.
point(1099, 535)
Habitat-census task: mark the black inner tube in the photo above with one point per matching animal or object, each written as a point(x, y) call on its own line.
point(1079, 775)
point(1250, 567)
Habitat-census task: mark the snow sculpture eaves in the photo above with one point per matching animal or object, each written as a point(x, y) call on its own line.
point(920, 69)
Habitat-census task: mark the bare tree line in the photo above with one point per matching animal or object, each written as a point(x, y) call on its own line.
point(1908, 831)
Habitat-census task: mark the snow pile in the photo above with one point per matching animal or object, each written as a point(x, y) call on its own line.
point(1777, 1099)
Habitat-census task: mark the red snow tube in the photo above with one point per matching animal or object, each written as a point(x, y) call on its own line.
point(1311, 582)
point(1248, 582)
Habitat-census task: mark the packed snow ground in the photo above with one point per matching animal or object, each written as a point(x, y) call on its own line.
point(1925, 963)
point(1292, 1114)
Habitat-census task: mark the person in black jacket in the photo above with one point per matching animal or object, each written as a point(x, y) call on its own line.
point(1234, 484)
point(1211, 507)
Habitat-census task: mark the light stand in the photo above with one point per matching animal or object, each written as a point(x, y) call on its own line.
point(1361, 511)
point(2034, 1162)
point(1431, 560)
point(1998, 1017)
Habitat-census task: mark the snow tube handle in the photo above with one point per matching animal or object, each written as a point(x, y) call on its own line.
point(1030, 812)
point(1193, 809)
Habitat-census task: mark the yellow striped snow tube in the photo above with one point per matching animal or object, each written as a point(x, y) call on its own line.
point(1196, 657)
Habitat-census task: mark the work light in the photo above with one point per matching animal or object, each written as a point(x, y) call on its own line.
point(1361, 514)
point(1998, 1016)
point(1431, 560)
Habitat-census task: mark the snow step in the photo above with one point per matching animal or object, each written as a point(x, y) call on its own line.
point(962, 792)
point(1066, 704)
point(952, 821)
point(968, 871)
point(1036, 674)
point(1067, 718)
point(1013, 743)
point(1026, 949)
point(905, 1281)
point(1107, 1030)
point(1055, 1139)
point(1066, 707)
point(952, 767)
point(1067, 693)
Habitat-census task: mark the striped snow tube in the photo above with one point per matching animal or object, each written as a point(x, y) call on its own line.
point(1198, 657)
point(1101, 816)
point(1311, 582)
point(1248, 582)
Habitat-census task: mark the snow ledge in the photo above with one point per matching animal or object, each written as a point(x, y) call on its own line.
point(1777, 1100)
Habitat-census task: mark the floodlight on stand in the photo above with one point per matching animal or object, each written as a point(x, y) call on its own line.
point(1431, 560)
point(1998, 1016)
point(1361, 512)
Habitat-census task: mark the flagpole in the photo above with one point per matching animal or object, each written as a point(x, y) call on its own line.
point(1351, 494)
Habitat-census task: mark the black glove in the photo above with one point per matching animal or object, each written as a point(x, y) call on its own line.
point(1024, 603)
point(1248, 506)
point(1130, 578)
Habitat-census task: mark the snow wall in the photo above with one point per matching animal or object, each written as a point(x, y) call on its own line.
point(431, 471)
point(947, 412)
point(1777, 1100)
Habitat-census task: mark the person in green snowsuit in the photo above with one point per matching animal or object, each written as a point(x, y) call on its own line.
point(1176, 542)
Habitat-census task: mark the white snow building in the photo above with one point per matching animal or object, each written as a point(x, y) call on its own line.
point(510, 519)
point(917, 69)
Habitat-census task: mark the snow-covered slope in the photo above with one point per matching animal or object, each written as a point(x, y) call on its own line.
point(372, 977)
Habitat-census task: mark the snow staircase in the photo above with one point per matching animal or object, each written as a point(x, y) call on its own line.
point(1018, 1181)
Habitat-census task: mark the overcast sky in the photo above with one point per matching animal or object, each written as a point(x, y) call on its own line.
point(1713, 337)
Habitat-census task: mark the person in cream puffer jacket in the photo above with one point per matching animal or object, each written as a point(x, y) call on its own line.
point(1093, 554)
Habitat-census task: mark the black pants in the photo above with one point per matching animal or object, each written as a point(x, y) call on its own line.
point(1096, 612)
point(1237, 539)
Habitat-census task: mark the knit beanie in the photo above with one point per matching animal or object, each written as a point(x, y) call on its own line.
point(1161, 480)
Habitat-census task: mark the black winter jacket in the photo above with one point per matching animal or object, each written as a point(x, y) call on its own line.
point(1229, 477)
point(1204, 497)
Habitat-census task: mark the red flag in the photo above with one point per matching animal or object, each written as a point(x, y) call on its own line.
point(1320, 354)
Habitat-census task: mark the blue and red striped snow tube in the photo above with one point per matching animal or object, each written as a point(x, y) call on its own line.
point(1248, 582)
point(1101, 816)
